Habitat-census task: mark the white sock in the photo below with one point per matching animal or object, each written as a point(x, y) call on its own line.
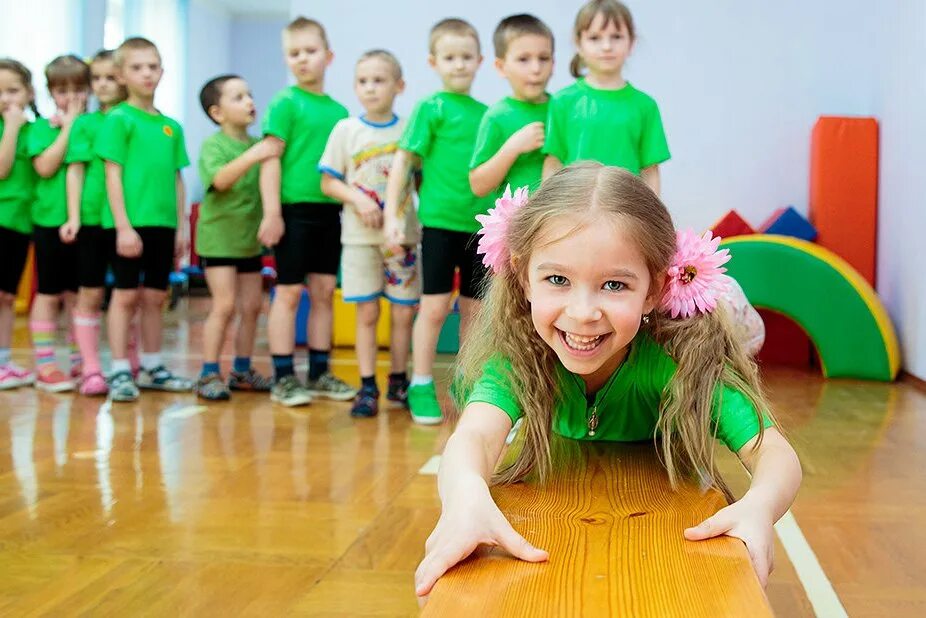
point(151, 361)
point(418, 380)
point(120, 365)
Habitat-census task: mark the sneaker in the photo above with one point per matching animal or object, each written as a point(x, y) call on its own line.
point(93, 385)
point(249, 380)
point(289, 392)
point(122, 387)
point(366, 403)
point(422, 401)
point(161, 379)
point(14, 376)
point(398, 392)
point(330, 386)
point(212, 387)
point(53, 381)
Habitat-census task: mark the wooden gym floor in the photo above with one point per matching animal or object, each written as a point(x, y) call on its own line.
point(167, 507)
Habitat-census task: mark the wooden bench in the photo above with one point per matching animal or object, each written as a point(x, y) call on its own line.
point(613, 528)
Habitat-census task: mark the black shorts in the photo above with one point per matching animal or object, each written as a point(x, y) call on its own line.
point(443, 251)
point(14, 249)
point(152, 269)
point(94, 252)
point(241, 265)
point(57, 264)
point(311, 242)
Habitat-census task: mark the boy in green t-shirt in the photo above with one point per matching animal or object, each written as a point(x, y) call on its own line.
point(512, 131)
point(226, 233)
point(143, 152)
point(441, 133)
point(301, 223)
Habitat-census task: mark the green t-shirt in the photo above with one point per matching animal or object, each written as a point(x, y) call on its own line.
point(80, 150)
point(627, 405)
point(442, 131)
point(151, 150)
point(17, 190)
point(615, 127)
point(499, 123)
point(228, 220)
point(304, 121)
point(50, 208)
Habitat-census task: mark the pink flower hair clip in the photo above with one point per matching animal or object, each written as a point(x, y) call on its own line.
point(493, 244)
point(696, 278)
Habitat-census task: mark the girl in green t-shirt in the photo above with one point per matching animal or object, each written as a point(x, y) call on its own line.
point(601, 323)
point(602, 117)
point(17, 187)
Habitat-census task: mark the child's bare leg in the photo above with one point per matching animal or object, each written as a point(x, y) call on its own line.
point(250, 301)
point(367, 319)
point(426, 332)
point(121, 310)
point(403, 316)
point(221, 281)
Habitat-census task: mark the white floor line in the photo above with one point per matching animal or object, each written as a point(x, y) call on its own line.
point(431, 467)
point(820, 592)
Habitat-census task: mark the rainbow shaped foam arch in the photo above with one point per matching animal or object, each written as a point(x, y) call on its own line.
point(825, 296)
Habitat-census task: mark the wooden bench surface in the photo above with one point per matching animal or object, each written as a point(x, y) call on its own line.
point(613, 529)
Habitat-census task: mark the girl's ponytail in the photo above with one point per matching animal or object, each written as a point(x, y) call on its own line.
point(15, 66)
point(575, 66)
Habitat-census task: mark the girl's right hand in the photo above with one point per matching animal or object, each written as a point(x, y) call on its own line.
point(463, 527)
point(14, 116)
point(128, 243)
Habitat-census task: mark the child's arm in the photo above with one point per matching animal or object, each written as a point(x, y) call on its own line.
point(367, 209)
point(271, 226)
point(128, 242)
point(180, 237)
point(13, 120)
point(49, 161)
point(74, 183)
point(776, 476)
point(402, 163)
point(487, 177)
point(469, 516)
point(650, 176)
point(551, 165)
point(232, 171)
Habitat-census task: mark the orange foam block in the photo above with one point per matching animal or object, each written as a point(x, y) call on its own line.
point(844, 189)
point(731, 224)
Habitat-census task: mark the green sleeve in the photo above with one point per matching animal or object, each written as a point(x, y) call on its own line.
point(555, 131)
point(80, 145)
point(211, 160)
point(40, 137)
point(112, 140)
point(279, 118)
point(494, 387)
point(735, 419)
point(654, 149)
point(181, 156)
point(419, 132)
point(489, 140)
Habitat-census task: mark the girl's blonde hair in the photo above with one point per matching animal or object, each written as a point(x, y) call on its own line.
point(25, 76)
point(705, 347)
point(613, 11)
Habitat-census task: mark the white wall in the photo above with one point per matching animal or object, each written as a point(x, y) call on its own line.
point(256, 55)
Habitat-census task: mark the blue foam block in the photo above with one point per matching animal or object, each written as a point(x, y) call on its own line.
point(792, 223)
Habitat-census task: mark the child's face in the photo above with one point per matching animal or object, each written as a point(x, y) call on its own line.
point(66, 94)
point(456, 59)
point(589, 289)
point(236, 105)
point(605, 46)
point(527, 65)
point(307, 56)
point(13, 92)
point(376, 85)
point(141, 72)
point(105, 82)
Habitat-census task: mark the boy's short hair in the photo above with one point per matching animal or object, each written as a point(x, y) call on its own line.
point(212, 92)
point(67, 70)
point(385, 56)
point(514, 26)
point(451, 25)
point(135, 43)
point(305, 23)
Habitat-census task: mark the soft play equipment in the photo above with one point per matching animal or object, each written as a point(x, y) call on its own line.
point(789, 222)
point(27, 285)
point(844, 189)
point(731, 224)
point(823, 294)
point(785, 342)
point(345, 323)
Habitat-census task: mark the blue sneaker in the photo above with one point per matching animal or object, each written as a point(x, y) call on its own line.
point(366, 403)
point(122, 387)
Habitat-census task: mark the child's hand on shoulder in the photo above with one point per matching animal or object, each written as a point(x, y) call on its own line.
point(368, 210)
point(267, 149)
point(528, 138)
point(748, 521)
point(128, 242)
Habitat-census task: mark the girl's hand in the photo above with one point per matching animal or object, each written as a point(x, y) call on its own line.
point(68, 231)
point(75, 108)
point(748, 522)
point(128, 242)
point(14, 117)
point(475, 520)
point(271, 230)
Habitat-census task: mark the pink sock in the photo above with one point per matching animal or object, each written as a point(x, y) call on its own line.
point(87, 334)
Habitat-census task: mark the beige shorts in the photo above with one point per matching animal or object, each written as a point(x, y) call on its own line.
point(371, 271)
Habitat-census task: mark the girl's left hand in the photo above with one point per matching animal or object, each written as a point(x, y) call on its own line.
point(748, 522)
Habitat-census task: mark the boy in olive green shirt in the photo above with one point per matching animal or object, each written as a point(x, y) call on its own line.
point(512, 131)
point(226, 233)
point(143, 152)
point(300, 222)
point(441, 133)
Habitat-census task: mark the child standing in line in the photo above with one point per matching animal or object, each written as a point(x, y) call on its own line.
point(512, 131)
point(56, 261)
point(226, 234)
point(300, 222)
point(602, 323)
point(602, 117)
point(143, 152)
point(17, 189)
point(355, 168)
point(441, 133)
point(86, 200)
